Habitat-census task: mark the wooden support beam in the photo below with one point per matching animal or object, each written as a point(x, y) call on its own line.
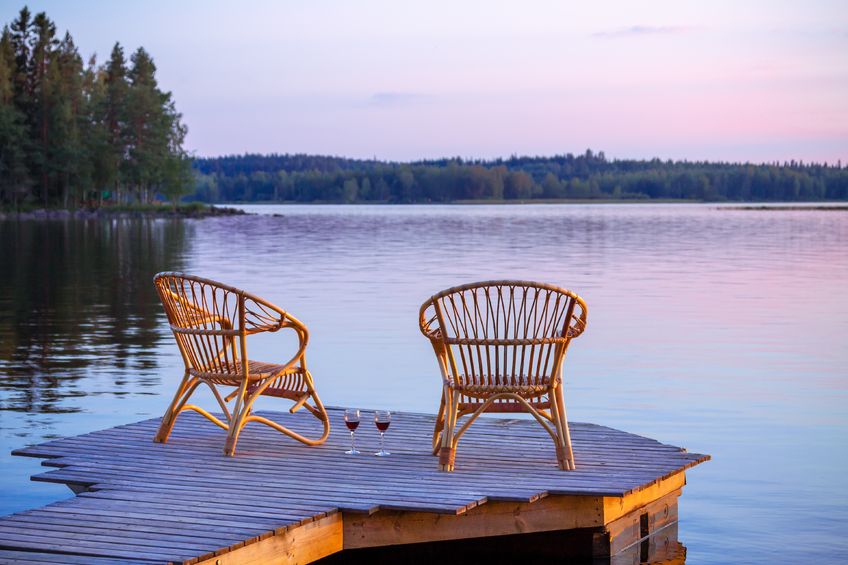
point(616, 507)
point(631, 533)
point(494, 518)
point(490, 519)
point(295, 545)
point(647, 534)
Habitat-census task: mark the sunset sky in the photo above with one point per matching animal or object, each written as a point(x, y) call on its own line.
point(718, 80)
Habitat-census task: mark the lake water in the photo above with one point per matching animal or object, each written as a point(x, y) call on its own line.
point(724, 331)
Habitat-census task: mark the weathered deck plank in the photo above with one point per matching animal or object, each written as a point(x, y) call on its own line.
point(185, 501)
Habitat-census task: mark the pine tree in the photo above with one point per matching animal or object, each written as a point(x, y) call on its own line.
point(155, 132)
point(177, 177)
point(13, 171)
point(39, 87)
point(66, 155)
point(21, 40)
point(147, 127)
point(100, 161)
point(115, 110)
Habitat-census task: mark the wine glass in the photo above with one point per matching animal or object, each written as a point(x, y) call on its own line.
point(351, 417)
point(382, 419)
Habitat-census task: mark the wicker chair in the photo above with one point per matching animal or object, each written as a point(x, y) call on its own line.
point(500, 347)
point(211, 322)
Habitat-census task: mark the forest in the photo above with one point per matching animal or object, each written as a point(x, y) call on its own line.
point(78, 134)
point(587, 176)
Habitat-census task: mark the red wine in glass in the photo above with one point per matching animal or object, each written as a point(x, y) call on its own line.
point(351, 418)
point(382, 419)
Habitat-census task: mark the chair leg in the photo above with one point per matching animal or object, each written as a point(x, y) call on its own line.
point(559, 438)
point(317, 410)
point(440, 425)
point(170, 416)
point(242, 415)
point(321, 413)
point(236, 424)
point(565, 454)
point(240, 412)
point(447, 453)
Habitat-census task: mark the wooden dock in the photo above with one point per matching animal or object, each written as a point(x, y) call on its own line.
point(279, 501)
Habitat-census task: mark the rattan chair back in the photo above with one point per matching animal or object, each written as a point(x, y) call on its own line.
point(501, 344)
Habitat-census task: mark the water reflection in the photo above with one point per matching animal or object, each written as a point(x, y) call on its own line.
point(76, 300)
point(722, 331)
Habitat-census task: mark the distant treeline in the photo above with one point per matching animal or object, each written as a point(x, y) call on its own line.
point(311, 178)
point(73, 133)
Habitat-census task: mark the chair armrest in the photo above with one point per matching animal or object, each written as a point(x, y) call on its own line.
point(428, 321)
point(578, 320)
point(298, 356)
point(263, 316)
point(577, 326)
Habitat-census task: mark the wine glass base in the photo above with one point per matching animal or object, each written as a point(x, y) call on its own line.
point(352, 452)
point(382, 453)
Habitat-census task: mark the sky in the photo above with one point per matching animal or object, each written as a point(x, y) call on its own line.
point(739, 80)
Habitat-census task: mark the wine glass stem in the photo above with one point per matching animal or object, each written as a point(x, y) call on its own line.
point(381, 442)
point(352, 444)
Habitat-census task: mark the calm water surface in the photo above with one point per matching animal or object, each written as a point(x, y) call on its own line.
point(723, 331)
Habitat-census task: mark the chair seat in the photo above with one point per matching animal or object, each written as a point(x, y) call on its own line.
point(477, 386)
point(261, 370)
point(285, 379)
point(287, 383)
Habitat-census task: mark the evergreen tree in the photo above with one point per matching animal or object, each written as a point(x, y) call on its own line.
point(13, 171)
point(115, 117)
point(21, 40)
point(147, 135)
point(178, 177)
point(177, 173)
point(98, 172)
point(66, 155)
point(39, 86)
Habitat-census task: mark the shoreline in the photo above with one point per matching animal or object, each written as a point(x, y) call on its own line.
point(183, 212)
point(835, 207)
point(752, 205)
point(465, 202)
point(195, 211)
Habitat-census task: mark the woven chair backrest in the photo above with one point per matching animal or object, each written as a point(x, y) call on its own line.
point(207, 319)
point(502, 332)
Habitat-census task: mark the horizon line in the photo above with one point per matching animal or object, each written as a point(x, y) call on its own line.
point(484, 160)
